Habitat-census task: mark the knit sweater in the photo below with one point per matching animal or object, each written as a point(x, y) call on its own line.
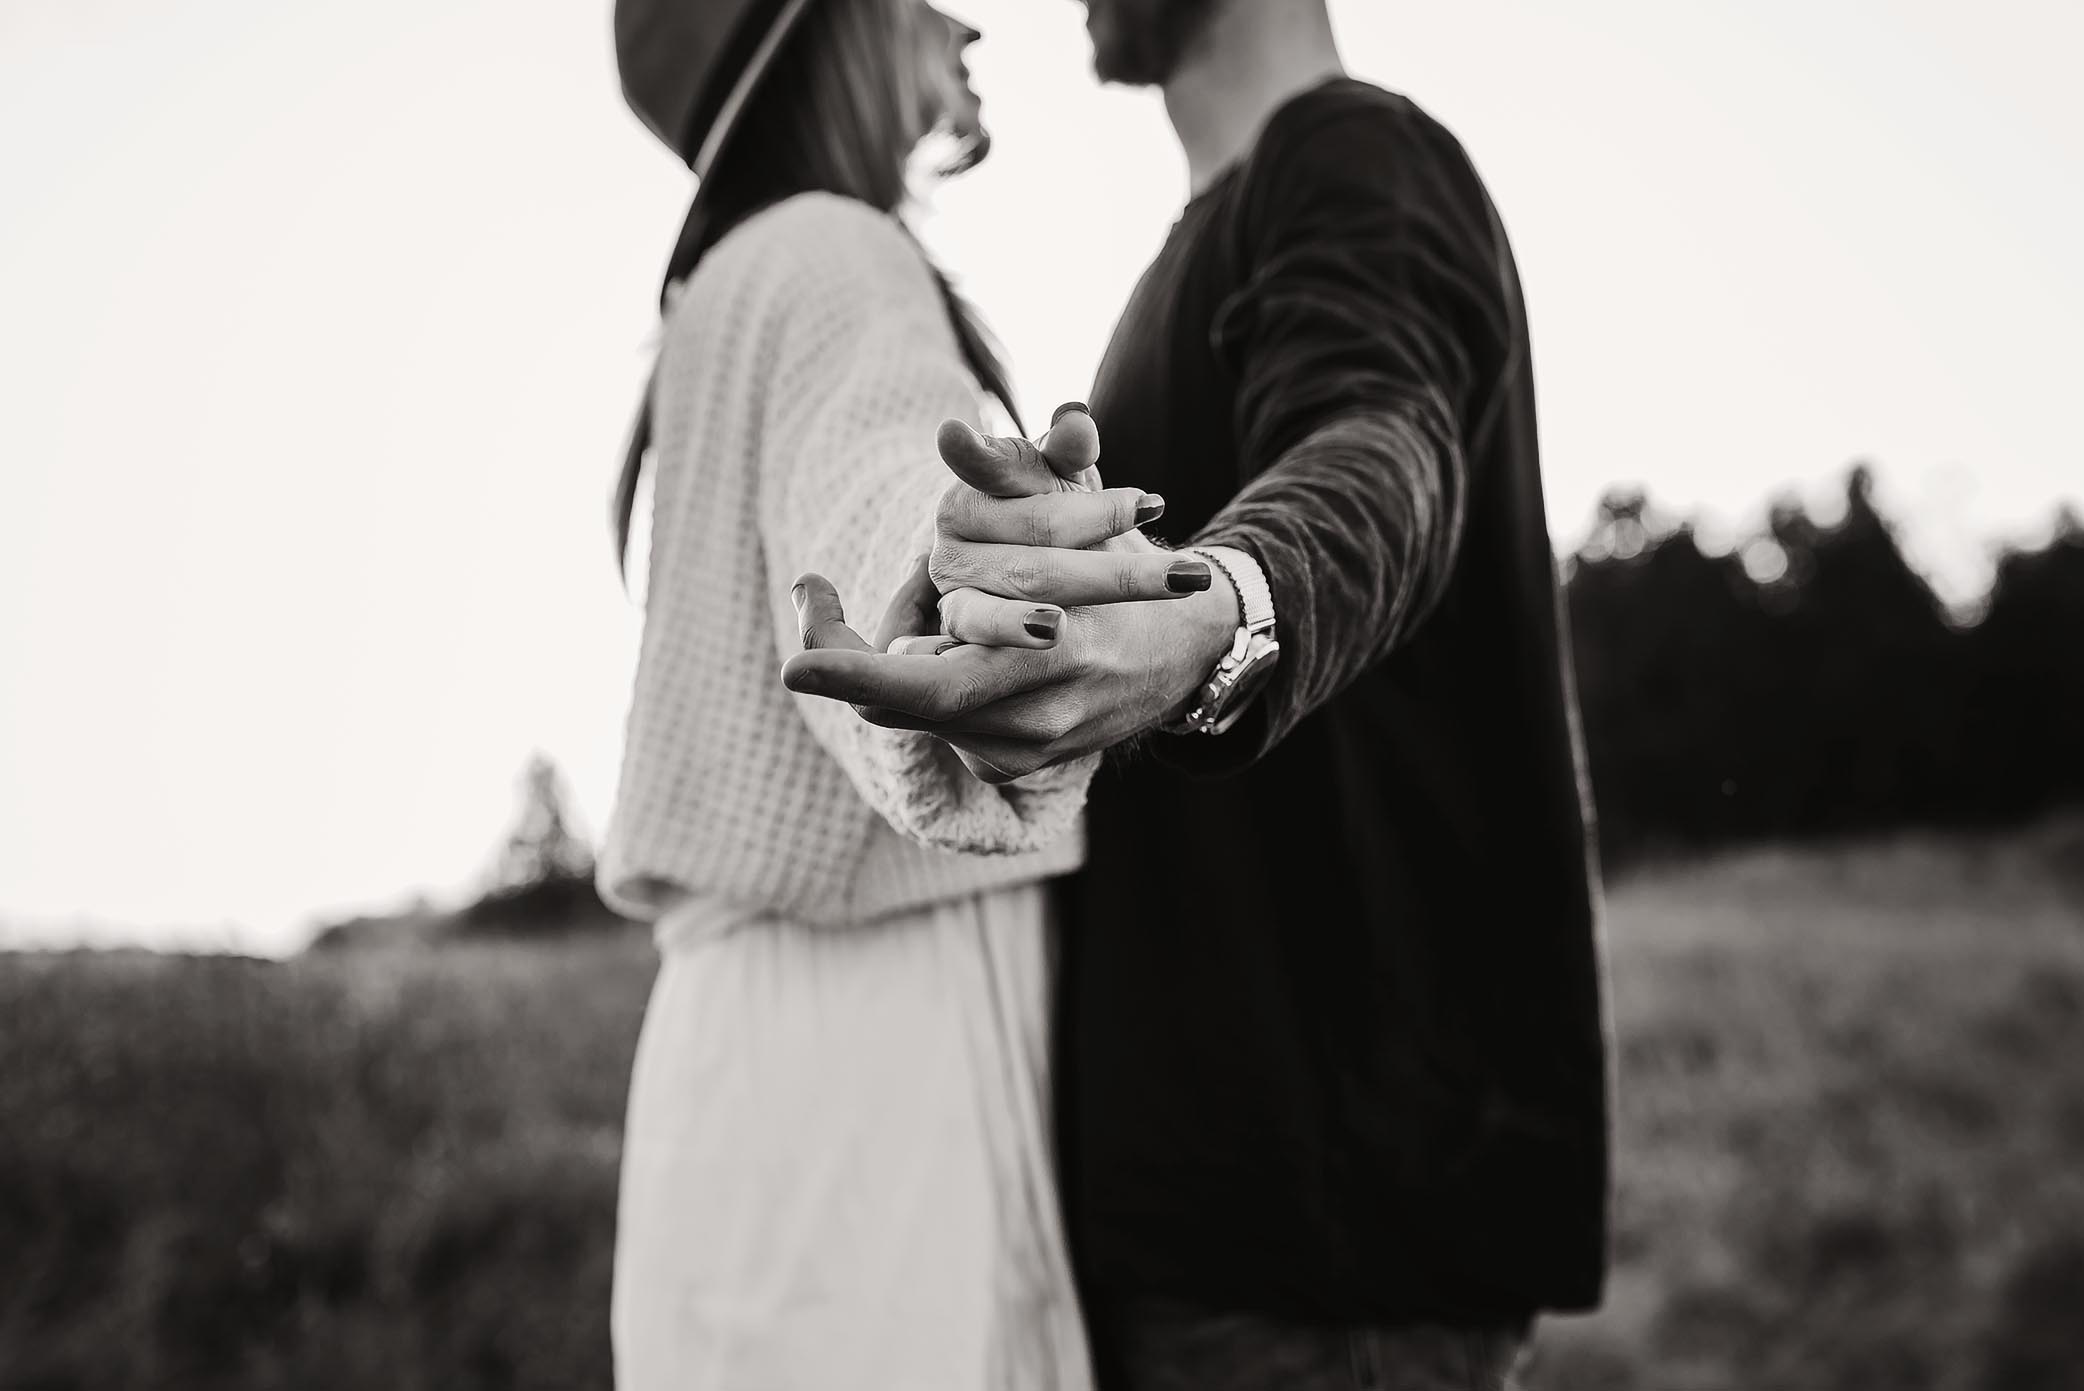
point(805, 366)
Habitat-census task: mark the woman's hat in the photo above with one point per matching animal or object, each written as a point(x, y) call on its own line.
point(689, 66)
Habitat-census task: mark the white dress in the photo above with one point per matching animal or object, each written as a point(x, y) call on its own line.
point(836, 1172)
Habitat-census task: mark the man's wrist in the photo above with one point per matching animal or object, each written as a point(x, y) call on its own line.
point(1242, 668)
point(1209, 622)
point(1255, 600)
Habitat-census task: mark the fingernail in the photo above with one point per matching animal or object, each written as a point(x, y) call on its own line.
point(1149, 508)
point(1187, 576)
point(1067, 408)
point(1041, 623)
point(944, 644)
point(796, 595)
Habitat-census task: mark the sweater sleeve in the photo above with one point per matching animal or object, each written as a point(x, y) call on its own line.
point(1369, 346)
point(867, 367)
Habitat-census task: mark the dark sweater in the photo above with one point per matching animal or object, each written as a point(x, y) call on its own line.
point(1331, 1040)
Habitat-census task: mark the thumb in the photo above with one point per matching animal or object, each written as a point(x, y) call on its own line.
point(819, 616)
point(914, 610)
point(1071, 445)
point(1002, 466)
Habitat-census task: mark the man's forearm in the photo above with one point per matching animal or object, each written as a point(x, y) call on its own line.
point(1356, 528)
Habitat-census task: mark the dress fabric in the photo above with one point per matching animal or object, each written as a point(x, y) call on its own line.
point(836, 1171)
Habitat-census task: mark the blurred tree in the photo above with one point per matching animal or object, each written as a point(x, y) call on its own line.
point(1666, 638)
point(2024, 699)
point(543, 881)
point(1866, 690)
point(540, 885)
point(542, 845)
point(1809, 682)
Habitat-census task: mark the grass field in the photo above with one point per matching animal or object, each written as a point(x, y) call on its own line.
point(1851, 1126)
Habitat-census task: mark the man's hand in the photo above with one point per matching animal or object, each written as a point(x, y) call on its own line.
point(1023, 532)
point(1012, 525)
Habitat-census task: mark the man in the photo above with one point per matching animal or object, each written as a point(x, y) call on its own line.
point(1332, 1062)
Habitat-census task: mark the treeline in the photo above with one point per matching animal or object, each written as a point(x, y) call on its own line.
point(1821, 688)
point(1831, 693)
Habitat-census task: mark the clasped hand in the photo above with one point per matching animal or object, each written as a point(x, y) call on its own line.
point(1043, 626)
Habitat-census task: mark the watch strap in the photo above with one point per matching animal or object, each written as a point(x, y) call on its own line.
point(1255, 598)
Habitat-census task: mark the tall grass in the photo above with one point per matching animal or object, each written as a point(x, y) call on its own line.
point(390, 1169)
point(1851, 1146)
point(1851, 1124)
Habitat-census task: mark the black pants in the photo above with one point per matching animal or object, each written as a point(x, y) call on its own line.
point(1161, 1345)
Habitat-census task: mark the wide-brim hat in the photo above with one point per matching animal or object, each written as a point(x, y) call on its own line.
point(689, 66)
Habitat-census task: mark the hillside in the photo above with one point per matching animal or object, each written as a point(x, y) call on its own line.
point(1851, 1125)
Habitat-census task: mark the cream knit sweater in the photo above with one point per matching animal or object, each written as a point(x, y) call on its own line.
point(805, 366)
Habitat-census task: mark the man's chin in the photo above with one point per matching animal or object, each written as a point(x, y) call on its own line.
point(1132, 52)
point(1117, 64)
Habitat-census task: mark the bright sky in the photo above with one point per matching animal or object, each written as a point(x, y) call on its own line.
point(319, 327)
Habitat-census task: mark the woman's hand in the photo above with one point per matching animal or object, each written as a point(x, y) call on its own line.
point(1024, 532)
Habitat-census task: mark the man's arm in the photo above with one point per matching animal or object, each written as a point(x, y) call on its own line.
point(1367, 350)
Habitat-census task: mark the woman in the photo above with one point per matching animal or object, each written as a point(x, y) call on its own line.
point(836, 1169)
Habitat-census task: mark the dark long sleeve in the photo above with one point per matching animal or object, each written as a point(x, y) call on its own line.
point(1369, 346)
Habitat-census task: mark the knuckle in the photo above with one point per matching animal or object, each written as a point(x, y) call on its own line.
point(1121, 516)
point(1041, 526)
point(964, 615)
point(949, 566)
point(1128, 577)
point(948, 513)
point(1027, 575)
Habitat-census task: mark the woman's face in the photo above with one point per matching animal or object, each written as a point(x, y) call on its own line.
point(946, 100)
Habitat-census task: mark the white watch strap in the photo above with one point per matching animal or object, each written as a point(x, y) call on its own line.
point(1254, 597)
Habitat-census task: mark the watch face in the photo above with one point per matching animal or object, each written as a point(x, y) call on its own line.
point(1258, 666)
point(1251, 676)
point(1230, 690)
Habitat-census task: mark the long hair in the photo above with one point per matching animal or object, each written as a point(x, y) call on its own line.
point(838, 112)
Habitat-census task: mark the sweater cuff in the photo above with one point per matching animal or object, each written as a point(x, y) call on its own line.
point(936, 801)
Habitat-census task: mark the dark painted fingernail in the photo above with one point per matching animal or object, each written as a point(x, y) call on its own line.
point(1149, 508)
point(1041, 623)
point(1187, 576)
point(1067, 408)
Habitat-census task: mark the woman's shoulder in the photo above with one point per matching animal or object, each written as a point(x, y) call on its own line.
point(821, 246)
point(816, 215)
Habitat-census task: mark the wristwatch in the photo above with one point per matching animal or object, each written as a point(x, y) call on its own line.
point(1250, 661)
